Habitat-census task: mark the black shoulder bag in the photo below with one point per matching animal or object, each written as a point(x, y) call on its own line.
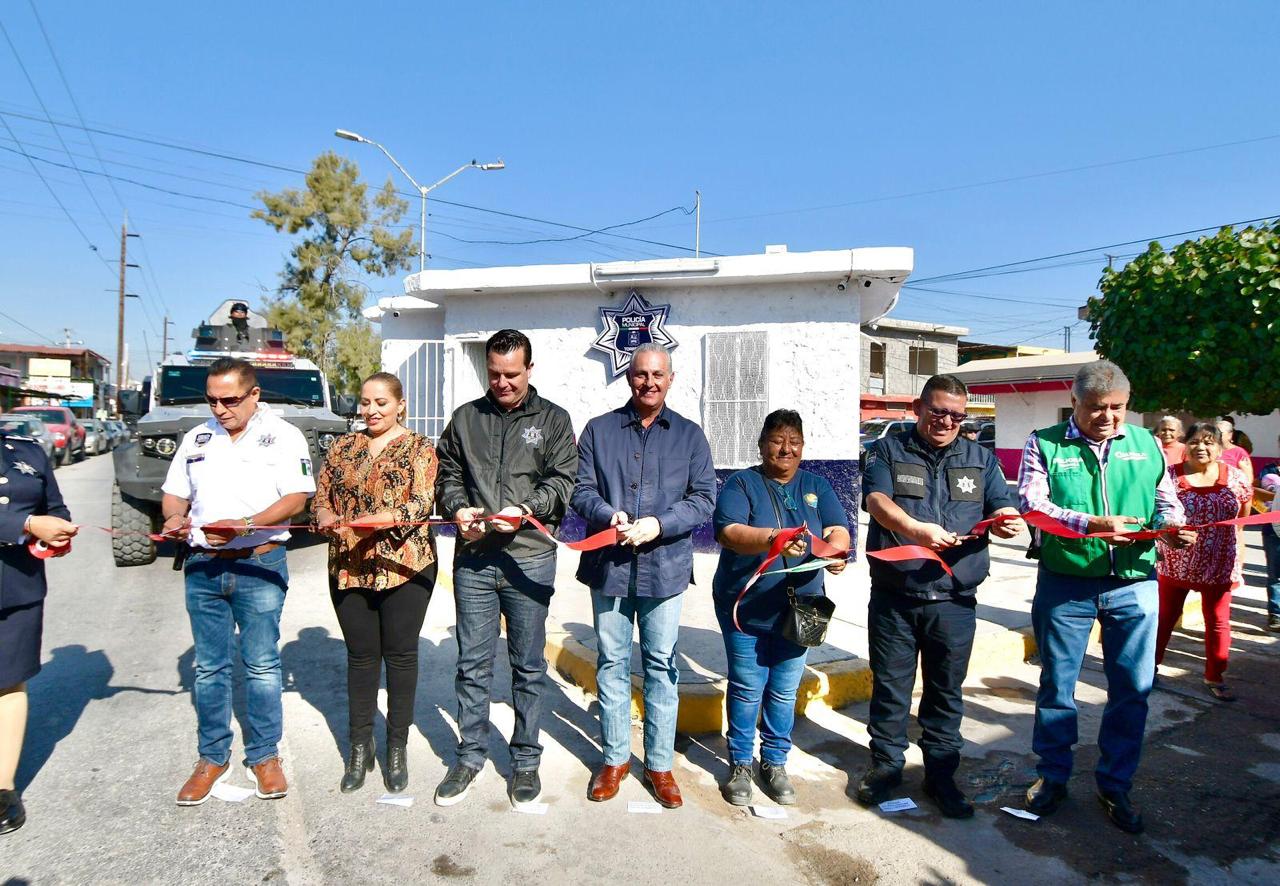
point(807, 617)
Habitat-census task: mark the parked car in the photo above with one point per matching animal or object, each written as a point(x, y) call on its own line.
point(68, 433)
point(986, 432)
point(873, 429)
point(119, 432)
point(97, 438)
point(30, 426)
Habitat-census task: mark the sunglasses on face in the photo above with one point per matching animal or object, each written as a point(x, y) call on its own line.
point(940, 414)
point(228, 402)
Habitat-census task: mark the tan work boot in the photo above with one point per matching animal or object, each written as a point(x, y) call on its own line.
point(201, 782)
point(269, 777)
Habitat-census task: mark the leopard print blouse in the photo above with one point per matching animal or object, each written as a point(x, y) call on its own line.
point(400, 479)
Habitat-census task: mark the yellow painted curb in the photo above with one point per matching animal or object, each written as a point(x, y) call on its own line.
point(831, 684)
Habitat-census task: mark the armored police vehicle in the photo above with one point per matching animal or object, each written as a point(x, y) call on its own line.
point(172, 402)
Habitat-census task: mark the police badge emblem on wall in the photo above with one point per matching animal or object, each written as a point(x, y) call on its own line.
point(626, 328)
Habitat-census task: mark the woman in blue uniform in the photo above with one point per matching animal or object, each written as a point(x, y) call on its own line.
point(31, 510)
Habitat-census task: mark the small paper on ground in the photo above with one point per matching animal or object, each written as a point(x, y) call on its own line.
point(774, 812)
point(396, 800)
point(230, 793)
point(530, 808)
point(1020, 813)
point(897, 805)
point(644, 807)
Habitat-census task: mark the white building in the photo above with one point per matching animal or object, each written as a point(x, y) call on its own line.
point(1035, 392)
point(748, 334)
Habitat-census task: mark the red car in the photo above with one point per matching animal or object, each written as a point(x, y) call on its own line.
point(68, 433)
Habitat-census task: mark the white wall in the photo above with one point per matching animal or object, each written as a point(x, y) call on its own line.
point(813, 363)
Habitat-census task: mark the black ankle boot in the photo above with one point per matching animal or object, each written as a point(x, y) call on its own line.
point(359, 762)
point(396, 775)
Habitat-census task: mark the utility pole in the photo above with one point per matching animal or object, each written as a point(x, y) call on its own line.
point(1066, 339)
point(697, 224)
point(164, 339)
point(124, 263)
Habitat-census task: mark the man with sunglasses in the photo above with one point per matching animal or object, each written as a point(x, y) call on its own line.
point(927, 486)
point(232, 480)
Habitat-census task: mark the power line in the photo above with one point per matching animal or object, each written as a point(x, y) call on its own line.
point(52, 193)
point(280, 168)
point(977, 272)
point(1016, 301)
point(66, 84)
point(603, 230)
point(25, 73)
point(998, 181)
point(18, 322)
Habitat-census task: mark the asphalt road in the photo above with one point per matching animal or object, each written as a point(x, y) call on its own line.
point(112, 737)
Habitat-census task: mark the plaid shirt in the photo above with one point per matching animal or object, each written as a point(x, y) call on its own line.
point(1033, 484)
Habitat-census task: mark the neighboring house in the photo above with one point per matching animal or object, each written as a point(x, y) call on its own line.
point(898, 356)
point(75, 377)
point(748, 334)
point(1035, 392)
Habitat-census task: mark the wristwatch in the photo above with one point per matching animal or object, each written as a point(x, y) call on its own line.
point(248, 527)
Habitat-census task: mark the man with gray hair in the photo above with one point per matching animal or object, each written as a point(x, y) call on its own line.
point(1095, 474)
point(647, 471)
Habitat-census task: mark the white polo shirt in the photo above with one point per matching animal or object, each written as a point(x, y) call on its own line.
point(229, 480)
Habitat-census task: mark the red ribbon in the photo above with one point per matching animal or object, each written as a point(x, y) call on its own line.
point(1050, 526)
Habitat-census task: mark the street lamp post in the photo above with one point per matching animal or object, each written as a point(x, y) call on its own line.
point(422, 191)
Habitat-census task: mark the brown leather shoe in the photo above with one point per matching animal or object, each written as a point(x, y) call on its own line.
point(605, 783)
point(269, 777)
point(201, 782)
point(664, 787)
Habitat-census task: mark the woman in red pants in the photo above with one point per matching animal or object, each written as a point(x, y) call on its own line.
point(1210, 490)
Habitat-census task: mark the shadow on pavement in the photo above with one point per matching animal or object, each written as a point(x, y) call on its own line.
point(59, 694)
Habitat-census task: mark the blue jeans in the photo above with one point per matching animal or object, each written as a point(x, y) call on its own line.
point(1062, 614)
point(520, 590)
point(223, 595)
point(1271, 547)
point(659, 620)
point(764, 672)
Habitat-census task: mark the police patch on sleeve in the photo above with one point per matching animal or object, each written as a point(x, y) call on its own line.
point(203, 438)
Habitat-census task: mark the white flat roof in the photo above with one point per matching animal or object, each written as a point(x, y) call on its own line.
point(891, 263)
point(1040, 367)
point(916, 326)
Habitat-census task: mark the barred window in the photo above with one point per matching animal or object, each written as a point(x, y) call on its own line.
point(735, 395)
point(422, 376)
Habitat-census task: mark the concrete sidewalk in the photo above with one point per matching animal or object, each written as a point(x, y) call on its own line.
point(838, 672)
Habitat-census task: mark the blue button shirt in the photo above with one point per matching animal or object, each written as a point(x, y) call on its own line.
point(662, 471)
point(747, 499)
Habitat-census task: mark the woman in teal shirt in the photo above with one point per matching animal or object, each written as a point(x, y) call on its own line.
point(764, 667)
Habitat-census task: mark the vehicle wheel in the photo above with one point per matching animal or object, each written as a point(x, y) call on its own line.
point(64, 457)
point(132, 520)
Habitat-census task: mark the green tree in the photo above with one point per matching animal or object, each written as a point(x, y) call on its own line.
point(345, 230)
point(1197, 329)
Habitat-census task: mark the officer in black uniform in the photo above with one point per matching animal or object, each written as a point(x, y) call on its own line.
point(926, 487)
point(31, 510)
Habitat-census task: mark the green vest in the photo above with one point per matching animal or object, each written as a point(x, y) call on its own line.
point(1134, 467)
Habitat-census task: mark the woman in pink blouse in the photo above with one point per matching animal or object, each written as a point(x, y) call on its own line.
point(1210, 490)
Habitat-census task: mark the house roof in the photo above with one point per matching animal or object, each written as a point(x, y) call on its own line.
point(891, 263)
point(51, 351)
point(1037, 368)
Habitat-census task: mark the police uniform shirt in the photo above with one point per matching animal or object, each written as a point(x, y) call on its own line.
point(27, 488)
point(229, 480)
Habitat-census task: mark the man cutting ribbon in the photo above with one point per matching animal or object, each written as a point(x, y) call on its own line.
point(924, 487)
point(1094, 473)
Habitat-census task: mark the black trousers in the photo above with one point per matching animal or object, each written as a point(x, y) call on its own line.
point(382, 626)
point(939, 634)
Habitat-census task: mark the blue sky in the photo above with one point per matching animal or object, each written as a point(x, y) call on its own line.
point(801, 123)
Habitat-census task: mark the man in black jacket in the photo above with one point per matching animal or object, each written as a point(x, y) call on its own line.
point(511, 454)
point(925, 487)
